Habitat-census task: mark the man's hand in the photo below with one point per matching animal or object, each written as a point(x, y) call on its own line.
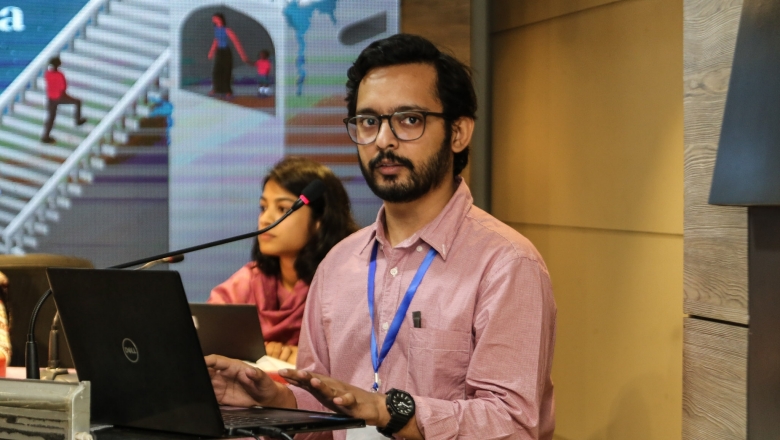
point(341, 397)
point(238, 384)
point(350, 400)
point(287, 353)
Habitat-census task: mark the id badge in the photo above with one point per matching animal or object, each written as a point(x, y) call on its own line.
point(365, 433)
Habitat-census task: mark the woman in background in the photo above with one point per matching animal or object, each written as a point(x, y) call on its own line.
point(222, 75)
point(285, 258)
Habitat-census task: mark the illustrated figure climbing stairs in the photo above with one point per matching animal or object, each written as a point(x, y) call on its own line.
point(114, 55)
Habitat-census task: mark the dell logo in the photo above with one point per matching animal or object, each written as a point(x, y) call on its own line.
point(130, 350)
point(11, 19)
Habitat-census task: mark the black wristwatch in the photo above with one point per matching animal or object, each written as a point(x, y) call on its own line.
point(400, 405)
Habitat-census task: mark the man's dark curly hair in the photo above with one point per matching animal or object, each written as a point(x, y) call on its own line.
point(332, 211)
point(454, 86)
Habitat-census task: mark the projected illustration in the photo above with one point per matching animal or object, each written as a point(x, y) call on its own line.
point(184, 106)
point(230, 56)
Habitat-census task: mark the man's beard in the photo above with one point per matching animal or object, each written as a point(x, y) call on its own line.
point(430, 175)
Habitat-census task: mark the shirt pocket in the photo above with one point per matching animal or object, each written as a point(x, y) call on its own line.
point(438, 361)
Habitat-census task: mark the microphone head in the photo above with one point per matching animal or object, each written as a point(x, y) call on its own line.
point(313, 191)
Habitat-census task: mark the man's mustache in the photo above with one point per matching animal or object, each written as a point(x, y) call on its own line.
point(391, 157)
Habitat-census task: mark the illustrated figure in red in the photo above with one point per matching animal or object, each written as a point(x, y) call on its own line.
point(56, 92)
point(263, 66)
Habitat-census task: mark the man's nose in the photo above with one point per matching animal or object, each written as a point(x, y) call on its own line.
point(385, 138)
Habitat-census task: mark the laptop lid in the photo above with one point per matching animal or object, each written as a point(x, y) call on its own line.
point(231, 330)
point(131, 335)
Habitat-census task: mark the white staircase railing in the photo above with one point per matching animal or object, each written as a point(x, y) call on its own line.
point(83, 151)
point(65, 38)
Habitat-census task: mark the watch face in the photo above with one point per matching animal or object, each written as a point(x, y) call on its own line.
point(403, 403)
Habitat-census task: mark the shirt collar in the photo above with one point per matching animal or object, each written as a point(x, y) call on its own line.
point(439, 233)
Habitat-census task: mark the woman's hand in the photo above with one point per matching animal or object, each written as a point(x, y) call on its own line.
point(287, 353)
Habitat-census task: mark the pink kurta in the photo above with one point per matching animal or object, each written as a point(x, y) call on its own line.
point(280, 310)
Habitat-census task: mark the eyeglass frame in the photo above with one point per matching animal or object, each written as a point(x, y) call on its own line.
point(424, 113)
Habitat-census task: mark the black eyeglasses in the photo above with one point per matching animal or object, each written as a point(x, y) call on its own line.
point(406, 126)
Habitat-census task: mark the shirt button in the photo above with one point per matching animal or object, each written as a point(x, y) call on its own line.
point(419, 248)
point(394, 271)
point(385, 326)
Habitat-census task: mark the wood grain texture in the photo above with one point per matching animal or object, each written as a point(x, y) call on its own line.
point(714, 381)
point(715, 267)
point(510, 14)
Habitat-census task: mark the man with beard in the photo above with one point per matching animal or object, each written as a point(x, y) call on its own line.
point(437, 321)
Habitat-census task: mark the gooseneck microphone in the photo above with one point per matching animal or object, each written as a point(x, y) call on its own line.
point(170, 260)
point(311, 193)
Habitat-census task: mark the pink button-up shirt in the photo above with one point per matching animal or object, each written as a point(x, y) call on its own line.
point(479, 366)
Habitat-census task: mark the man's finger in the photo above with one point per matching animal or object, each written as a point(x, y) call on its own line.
point(218, 362)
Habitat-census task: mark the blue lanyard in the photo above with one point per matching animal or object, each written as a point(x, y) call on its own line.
point(392, 333)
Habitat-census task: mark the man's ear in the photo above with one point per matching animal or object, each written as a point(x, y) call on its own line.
point(462, 130)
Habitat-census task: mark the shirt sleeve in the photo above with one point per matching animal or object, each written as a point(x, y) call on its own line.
point(238, 289)
point(508, 386)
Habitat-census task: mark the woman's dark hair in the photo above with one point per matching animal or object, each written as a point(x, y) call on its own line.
point(332, 210)
point(55, 62)
point(221, 16)
point(454, 86)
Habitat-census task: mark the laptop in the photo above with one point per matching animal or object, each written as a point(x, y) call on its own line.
point(131, 335)
point(231, 330)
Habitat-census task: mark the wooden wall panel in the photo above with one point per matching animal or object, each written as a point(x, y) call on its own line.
point(715, 237)
point(508, 14)
point(618, 356)
point(714, 381)
point(587, 130)
point(588, 119)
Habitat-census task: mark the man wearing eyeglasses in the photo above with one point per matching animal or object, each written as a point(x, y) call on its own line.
point(437, 321)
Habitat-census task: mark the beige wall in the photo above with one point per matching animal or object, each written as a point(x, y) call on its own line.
point(588, 163)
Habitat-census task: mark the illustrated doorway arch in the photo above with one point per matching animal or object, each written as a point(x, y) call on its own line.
point(196, 69)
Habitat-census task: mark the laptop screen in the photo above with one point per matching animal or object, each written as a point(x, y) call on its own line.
point(231, 330)
point(131, 335)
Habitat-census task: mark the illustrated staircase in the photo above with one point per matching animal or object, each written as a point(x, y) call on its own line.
point(116, 63)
